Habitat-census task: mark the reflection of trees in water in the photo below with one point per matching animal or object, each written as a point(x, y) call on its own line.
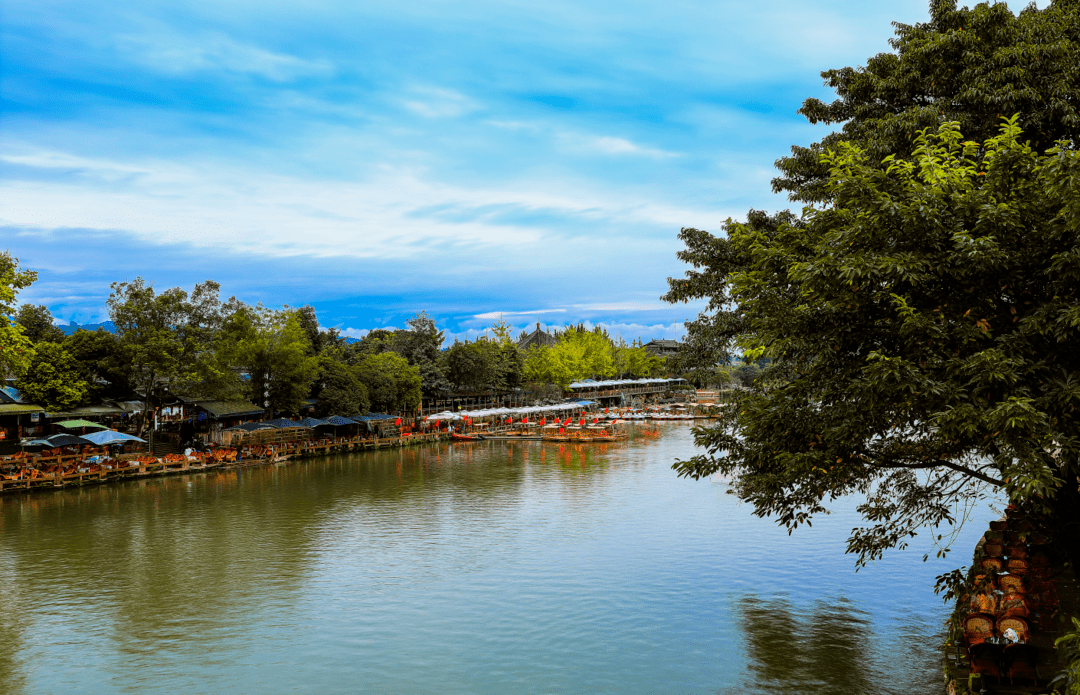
point(13, 604)
point(169, 569)
point(821, 651)
point(165, 569)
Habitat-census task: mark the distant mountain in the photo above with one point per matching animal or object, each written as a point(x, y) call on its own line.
point(72, 327)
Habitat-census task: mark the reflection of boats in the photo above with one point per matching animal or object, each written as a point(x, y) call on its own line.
point(582, 435)
point(513, 437)
point(466, 437)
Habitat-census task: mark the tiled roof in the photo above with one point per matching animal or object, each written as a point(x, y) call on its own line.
point(19, 408)
point(221, 409)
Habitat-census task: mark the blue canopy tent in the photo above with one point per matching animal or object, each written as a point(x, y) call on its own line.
point(58, 440)
point(252, 426)
point(105, 437)
point(338, 421)
point(282, 423)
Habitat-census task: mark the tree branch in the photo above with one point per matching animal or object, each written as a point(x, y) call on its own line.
point(941, 462)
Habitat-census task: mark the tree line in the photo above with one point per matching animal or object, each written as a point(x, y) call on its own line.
point(195, 344)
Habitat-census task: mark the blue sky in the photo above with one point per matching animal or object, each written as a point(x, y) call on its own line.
point(472, 159)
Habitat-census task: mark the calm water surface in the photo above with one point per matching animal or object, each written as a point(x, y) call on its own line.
point(472, 568)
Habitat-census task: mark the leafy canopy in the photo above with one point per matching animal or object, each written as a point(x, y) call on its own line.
point(971, 65)
point(37, 324)
point(16, 349)
point(53, 379)
point(920, 338)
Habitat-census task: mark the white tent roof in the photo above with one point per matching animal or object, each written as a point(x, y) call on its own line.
point(589, 384)
point(492, 412)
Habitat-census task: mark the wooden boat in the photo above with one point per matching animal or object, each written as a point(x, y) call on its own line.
point(457, 437)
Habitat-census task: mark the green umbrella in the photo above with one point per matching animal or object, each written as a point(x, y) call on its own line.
point(74, 424)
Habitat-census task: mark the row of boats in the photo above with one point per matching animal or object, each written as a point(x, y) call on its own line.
point(650, 415)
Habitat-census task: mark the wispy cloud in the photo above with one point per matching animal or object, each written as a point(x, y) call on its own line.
point(174, 53)
point(502, 314)
point(616, 146)
point(435, 102)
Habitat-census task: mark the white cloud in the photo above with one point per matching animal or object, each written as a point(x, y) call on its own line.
point(435, 102)
point(501, 314)
point(609, 145)
point(214, 205)
point(178, 54)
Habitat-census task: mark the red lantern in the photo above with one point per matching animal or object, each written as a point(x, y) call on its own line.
point(398, 422)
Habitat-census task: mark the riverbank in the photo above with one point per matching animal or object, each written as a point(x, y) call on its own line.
point(77, 470)
point(1015, 603)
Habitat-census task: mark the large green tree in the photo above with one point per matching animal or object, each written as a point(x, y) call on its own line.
point(16, 350)
point(104, 363)
point(338, 391)
point(420, 344)
point(273, 350)
point(392, 383)
point(53, 380)
point(166, 335)
point(971, 65)
point(920, 335)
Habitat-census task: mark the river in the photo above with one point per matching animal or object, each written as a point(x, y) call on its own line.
point(493, 567)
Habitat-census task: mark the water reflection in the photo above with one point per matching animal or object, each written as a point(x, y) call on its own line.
point(488, 567)
point(821, 650)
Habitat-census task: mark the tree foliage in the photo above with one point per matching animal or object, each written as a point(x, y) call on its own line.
point(970, 65)
point(104, 363)
point(392, 383)
point(484, 365)
point(338, 390)
point(53, 379)
point(16, 350)
point(579, 354)
point(37, 324)
point(273, 349)
point(920, 333)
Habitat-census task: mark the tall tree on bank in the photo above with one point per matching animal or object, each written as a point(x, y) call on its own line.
point(103, 362)
point(920, 333)
point(973, 66)
point(16, 349)
point(164, 333)
point(274, 350)
point(421, 344)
